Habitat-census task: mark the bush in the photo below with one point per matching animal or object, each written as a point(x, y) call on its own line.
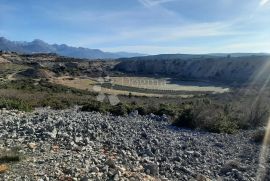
point(15, 104)
point(208, 117)
point(258, 114)
point(94, 106)
point(11, 155)
point(166, 109)
point(186, 119)
point(142, 110)
point(56, 103)
point(225, 125)
point(119, 109)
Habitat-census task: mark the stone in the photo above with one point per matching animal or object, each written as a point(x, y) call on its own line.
point(3, 168)
point(151, 169)
point(32, 146)
point(202, 178)
point(94, 169)
point(111, 163)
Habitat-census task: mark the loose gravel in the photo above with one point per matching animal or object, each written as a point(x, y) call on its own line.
point(73, 145)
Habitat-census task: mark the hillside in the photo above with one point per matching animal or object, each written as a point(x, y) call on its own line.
point(39, 46)
point(209, 68)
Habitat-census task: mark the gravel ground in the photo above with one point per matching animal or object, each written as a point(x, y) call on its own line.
point(74, 145)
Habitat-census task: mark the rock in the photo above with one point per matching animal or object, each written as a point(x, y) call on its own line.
point(164, 117)
point(151, 169)
point(197, 154)
point(32, 146)
point(84, 179)
point(116, 177)
point(95, 146)
point(229, 166)
point(134, 113)
point(202, 178)
point(94, 169)
point(238, 175)
point(111, 163)
point(3, 168)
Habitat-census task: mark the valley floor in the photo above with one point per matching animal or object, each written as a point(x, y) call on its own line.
point(74, 145)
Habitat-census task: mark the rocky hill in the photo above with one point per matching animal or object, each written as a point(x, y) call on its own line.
point(227, 69)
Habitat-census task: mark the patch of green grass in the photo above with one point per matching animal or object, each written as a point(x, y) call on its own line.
point(11, 155)
point(95, 106)
point(15, 104)
point(119, 109)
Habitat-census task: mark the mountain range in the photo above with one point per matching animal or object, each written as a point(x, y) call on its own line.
point(39, 46)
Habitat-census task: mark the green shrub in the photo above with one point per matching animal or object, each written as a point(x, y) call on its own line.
point(151, 109)
point(95, 106)
point(166, 109)
point(224, 125)
point(186, 119)
point(208, 117)
point(57, 104)
point(142, 110)
point(15, 104)
point(11, 155)
point(10, 158)
point(119, 109)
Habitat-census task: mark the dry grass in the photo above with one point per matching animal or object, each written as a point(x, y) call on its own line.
point(87, 84)
point(166, 84)
point(74, 82)
point(137, 82)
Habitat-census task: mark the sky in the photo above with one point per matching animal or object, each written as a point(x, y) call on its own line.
point(144, 26)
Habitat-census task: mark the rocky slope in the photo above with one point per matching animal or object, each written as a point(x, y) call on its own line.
point(220, 69)
point(74, 145)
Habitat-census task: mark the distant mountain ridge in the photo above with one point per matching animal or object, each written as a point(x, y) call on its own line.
point(39, 46)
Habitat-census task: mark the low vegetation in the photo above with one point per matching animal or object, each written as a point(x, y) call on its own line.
point(220, 113)
point(15, 104)
point(10, 155)
point(201, 114)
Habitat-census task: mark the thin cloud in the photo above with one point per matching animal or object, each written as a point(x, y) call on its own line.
point(161, 34)
point(264, 2)
point(149, 49)
point(151, 3)
point(251, 46)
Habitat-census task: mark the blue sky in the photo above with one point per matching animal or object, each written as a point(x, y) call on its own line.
point(145, 26)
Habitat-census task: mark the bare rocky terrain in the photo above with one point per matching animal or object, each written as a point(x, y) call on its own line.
point(74, 145)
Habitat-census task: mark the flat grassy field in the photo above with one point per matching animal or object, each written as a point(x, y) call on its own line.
point(167, 84)
point(140, 86)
